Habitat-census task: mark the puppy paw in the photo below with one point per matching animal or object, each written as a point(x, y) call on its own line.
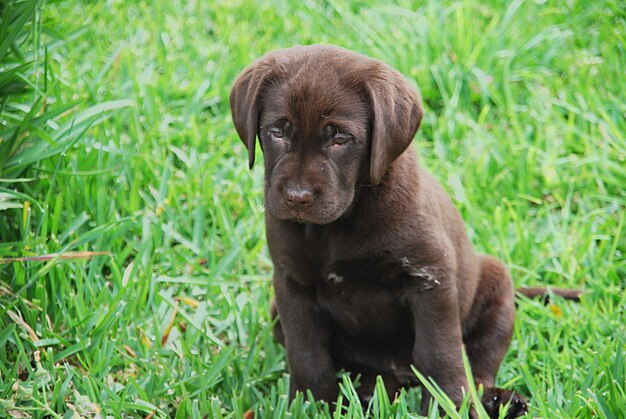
point(493, 398)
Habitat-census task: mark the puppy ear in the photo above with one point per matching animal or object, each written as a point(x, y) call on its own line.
point(397, 111)
point(244, 104)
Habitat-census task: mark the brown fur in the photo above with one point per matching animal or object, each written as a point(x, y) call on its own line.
point(373, 270)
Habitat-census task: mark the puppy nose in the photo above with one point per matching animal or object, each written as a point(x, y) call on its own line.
point(298, 196)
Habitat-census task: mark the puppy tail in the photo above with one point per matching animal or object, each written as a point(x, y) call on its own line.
point(545, 293)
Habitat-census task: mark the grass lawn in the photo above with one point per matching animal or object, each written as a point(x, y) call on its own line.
point(525, 126)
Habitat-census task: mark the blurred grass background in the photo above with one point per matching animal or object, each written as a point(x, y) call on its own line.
point(134, 278)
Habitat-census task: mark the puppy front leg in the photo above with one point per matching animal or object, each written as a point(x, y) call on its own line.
point(437, 349)
point(306, 333)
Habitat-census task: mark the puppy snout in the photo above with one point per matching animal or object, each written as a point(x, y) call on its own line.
point(298, 197)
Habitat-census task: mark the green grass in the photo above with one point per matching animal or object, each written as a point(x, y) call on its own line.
point(525, 118)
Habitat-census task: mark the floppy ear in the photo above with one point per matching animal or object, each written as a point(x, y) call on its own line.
point(397, 111)
point(244, 104)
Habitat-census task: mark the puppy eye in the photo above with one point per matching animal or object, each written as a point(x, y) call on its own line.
point(341, 139)
point(336, 137)
point(276, 132)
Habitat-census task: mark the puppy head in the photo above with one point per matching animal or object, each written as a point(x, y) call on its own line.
point(328, 120)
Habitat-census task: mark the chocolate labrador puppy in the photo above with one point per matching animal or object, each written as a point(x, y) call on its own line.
point(373, 270)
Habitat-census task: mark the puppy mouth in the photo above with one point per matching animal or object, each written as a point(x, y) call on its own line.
point(305, 217)
point(320, 210)
point(298, 220)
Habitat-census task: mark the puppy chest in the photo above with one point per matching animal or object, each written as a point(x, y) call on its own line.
point(364, 296)
point(360, 307)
